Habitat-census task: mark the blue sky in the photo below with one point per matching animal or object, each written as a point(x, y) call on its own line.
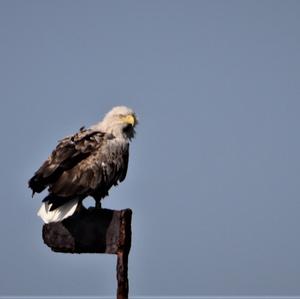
point(213, 179)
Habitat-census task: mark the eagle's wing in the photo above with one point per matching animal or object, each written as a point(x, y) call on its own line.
point(102, 169)
point(68, 153)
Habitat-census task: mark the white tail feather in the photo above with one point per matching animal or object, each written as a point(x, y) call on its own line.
point(58, 214)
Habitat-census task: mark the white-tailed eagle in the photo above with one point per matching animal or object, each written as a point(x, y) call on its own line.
point(87, 163)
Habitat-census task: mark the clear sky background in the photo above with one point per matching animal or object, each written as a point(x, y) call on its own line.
point(213, 179)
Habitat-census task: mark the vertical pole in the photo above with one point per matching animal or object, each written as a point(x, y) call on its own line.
point(123, 253)
point(122, 277)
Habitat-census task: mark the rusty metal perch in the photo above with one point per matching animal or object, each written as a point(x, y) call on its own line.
point(95, 231)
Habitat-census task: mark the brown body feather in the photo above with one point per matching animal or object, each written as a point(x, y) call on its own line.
point(87, 163)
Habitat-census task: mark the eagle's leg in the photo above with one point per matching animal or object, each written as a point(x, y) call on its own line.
point(79, 206)
point(98, 203)
point(97, 196)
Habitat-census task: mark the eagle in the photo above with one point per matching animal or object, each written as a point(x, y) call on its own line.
point(87, 163)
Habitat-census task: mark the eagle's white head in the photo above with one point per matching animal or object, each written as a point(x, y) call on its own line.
point(119, 121)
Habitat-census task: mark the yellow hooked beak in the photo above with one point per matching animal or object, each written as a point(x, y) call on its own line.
point(129, 119)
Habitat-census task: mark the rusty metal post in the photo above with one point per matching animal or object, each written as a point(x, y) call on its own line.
point(122, 267)
point(95, 231)
point(122, 255)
